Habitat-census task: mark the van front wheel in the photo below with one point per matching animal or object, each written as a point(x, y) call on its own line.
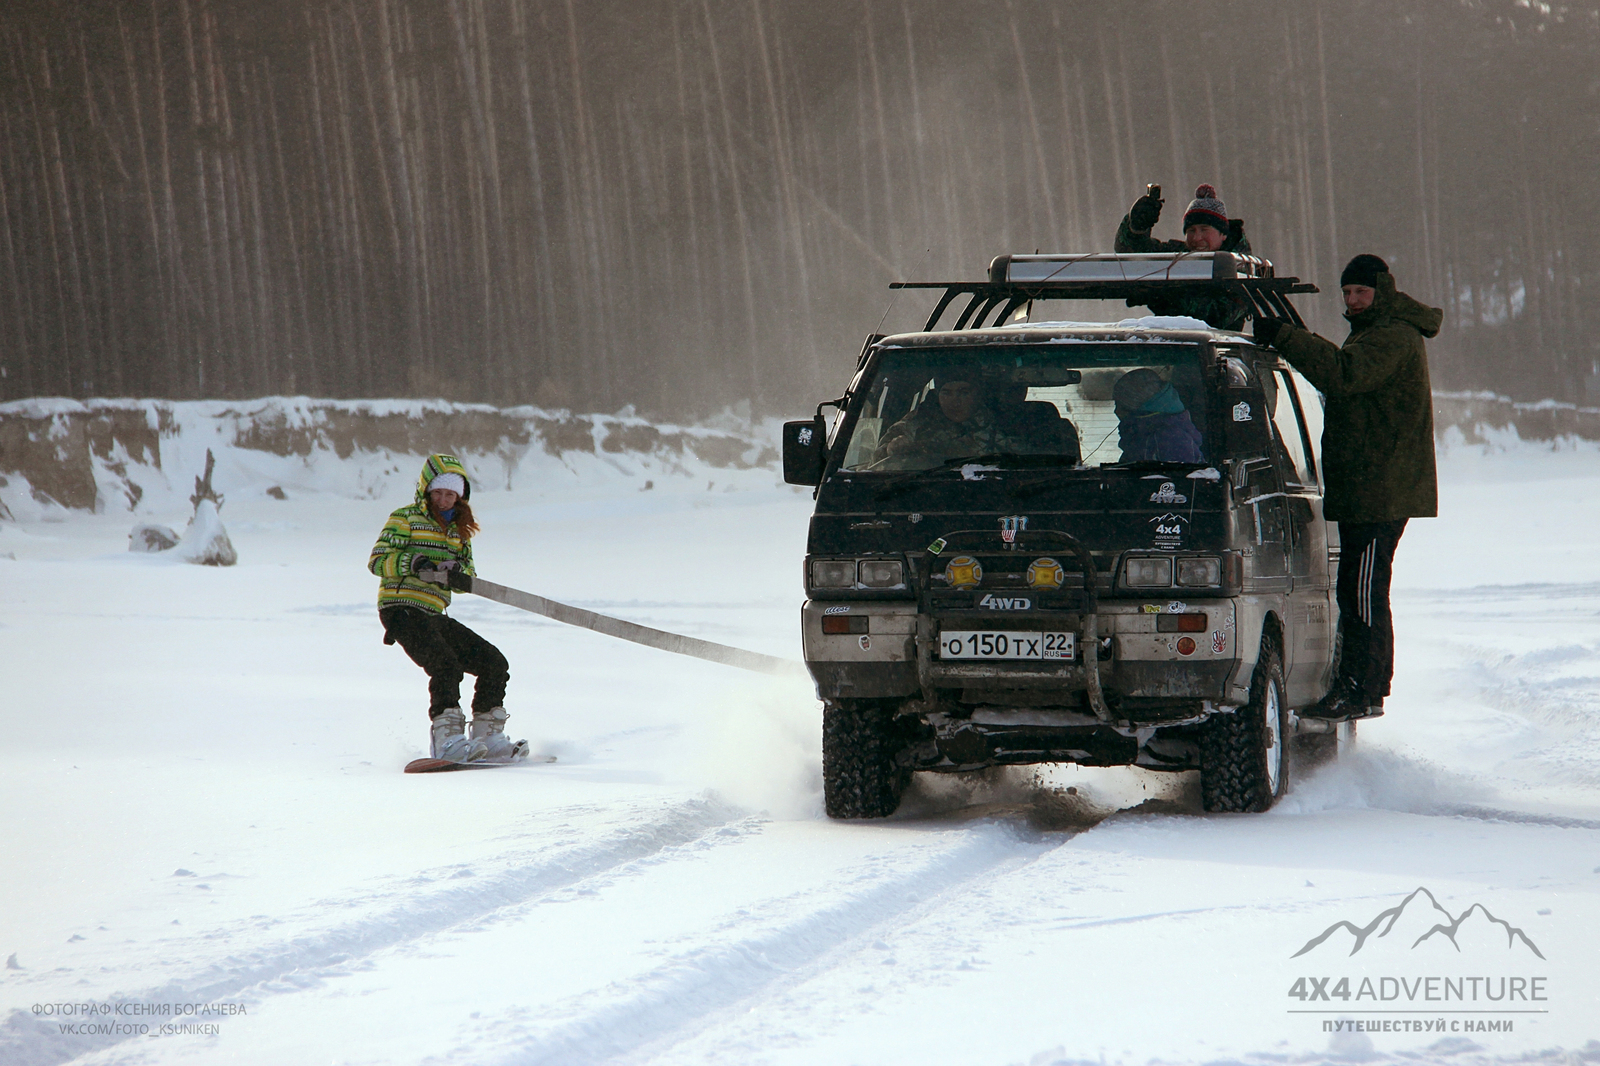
point(860, 777)
point(1243, 761)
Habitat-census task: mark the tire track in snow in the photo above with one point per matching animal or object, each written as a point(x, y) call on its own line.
point(1494, 814)
point(676, 995)
point(29, 1041)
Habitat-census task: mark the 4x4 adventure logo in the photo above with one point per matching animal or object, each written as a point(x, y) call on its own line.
point(1448, 927)
point(1420, 956)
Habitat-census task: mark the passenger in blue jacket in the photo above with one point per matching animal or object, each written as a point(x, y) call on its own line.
point(1152, 424)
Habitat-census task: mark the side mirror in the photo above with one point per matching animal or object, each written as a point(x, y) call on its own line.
point(805, 447)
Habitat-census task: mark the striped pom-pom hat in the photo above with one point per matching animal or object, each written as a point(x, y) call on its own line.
point(1206, 209)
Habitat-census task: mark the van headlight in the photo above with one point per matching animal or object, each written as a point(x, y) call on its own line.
point(833, 573)
point(1200, 571)
point(881, 573)
point(861, 575)
point(1148, 572)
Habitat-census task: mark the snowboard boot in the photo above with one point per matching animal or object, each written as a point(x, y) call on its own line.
point(489, 727)
point(1344, 703)
point(450, 741)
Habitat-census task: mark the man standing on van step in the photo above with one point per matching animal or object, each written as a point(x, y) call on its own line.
point(1377, 455)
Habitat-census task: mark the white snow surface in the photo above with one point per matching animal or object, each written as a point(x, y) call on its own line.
point(206, 826)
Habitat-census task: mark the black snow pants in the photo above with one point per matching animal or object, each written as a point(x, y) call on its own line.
point(446, 649)
point(1366, 627)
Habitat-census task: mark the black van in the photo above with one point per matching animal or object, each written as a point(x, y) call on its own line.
point(1053, 541)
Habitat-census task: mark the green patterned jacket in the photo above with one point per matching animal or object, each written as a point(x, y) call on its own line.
point(411, 532)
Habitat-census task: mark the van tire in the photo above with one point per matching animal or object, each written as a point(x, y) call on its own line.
point(1244, 763)
point(860, 777)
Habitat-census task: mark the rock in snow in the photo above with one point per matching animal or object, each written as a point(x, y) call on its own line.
point(150, 537)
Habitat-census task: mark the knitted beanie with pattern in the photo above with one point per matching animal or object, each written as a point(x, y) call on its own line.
point(1206, 209)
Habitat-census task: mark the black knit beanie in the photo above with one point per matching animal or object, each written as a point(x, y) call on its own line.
point(1363, 270)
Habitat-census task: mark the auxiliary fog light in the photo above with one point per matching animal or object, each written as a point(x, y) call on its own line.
point(1200, 571)
point(963, 572)
point(833, 573)
point(1148, 572)
point(881, 573)
point(1045, 574)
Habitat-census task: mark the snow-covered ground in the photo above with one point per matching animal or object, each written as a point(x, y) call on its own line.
point(205, 825)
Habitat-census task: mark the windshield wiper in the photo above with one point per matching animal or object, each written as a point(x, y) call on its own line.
point(1150, 464)
point(1024, 460)
point(1039, 484)
point(900, 480)
point(989, 462)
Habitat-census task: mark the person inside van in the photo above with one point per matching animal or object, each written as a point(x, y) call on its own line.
point(1152, 424)
point(959, 424)
point(1037, 424)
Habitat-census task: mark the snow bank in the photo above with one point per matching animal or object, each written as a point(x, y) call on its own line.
point(137, 455)
point(1485, 418)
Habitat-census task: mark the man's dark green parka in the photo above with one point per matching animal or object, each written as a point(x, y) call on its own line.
point(1377, 437)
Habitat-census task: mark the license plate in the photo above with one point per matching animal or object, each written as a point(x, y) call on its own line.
point(986, 644)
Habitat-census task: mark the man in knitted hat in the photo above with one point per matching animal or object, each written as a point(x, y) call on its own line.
point(1377, 460)
point(1206, 228)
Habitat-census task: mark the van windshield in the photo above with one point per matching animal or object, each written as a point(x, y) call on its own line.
point(1067, 404)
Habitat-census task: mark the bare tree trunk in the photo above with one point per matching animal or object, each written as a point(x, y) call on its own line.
point(1035, 137)
point(1330, 204)
point(755, 377)
point(1119, 176)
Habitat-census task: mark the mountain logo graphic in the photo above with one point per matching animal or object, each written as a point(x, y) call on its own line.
point(1445, 924)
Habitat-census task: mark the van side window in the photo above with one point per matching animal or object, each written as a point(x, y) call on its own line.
point(1311, 413)
point(1287, 422)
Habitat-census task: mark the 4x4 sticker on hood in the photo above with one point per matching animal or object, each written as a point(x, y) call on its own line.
point(1169, 531)
point(1168, 493)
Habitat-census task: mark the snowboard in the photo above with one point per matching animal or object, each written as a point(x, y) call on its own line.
point(440, 766)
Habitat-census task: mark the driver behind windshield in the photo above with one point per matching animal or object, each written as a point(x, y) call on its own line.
point(959, 425)
point(1152, 424)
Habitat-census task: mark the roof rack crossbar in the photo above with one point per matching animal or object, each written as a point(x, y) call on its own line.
point(944, 302)
point(978, 319)
point(1267, 296)
point(1010, 308)
point(1259, 306)
point(1293, 314)
point(972, 305)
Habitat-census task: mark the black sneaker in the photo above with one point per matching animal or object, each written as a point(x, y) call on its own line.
point(1374, 709)
point(1340, 705)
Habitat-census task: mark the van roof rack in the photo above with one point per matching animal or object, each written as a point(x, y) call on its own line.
point(1138, 278)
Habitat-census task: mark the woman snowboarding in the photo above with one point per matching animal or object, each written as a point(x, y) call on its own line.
point(422, 545)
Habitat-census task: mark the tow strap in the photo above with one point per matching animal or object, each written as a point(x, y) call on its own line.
point(616, 627)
